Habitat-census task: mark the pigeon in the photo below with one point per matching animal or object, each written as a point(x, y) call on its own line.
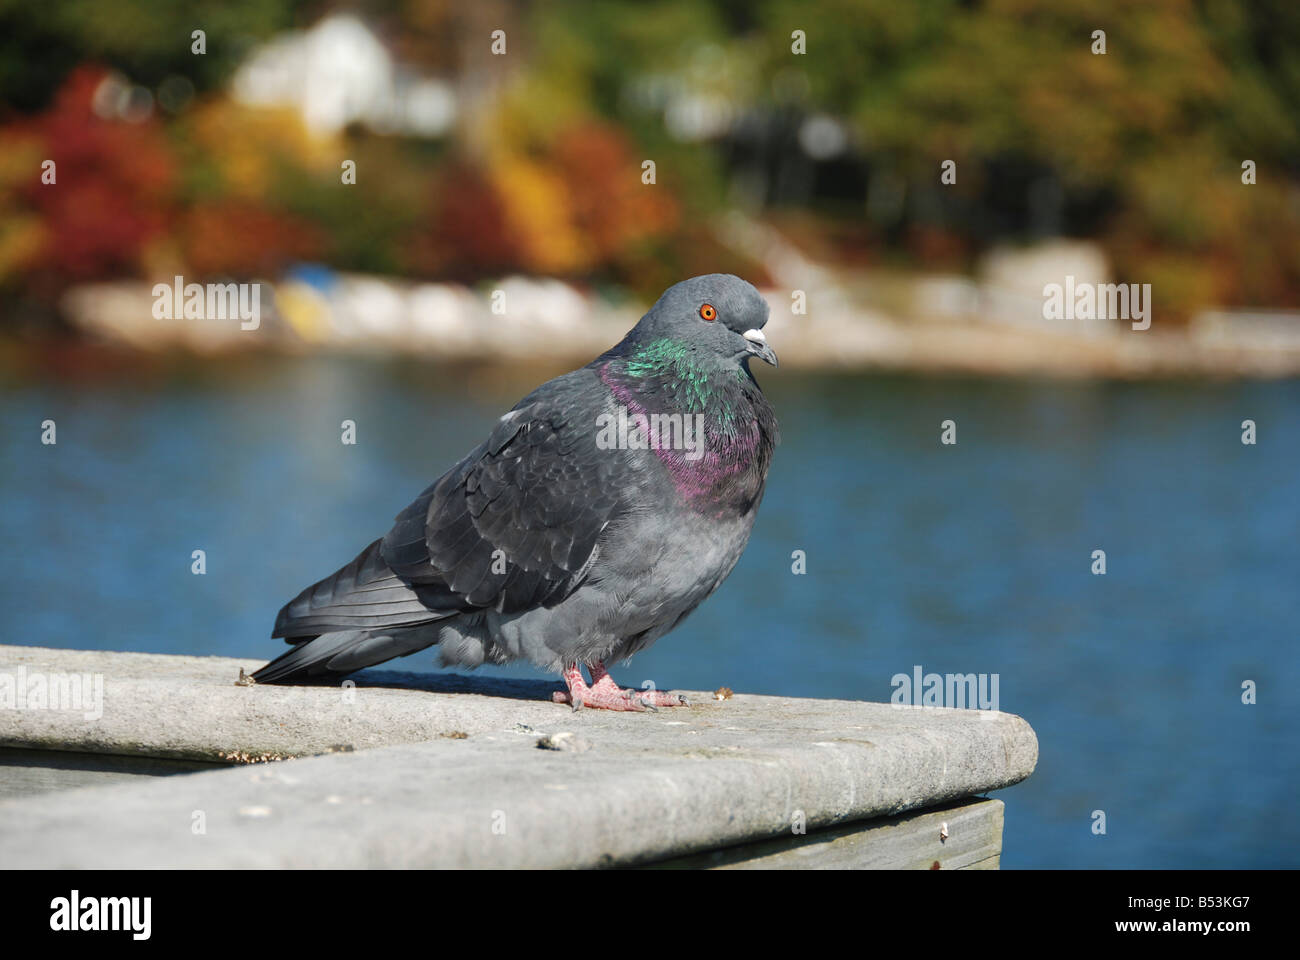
point(601, 510)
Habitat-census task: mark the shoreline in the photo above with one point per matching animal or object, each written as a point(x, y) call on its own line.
point(552, 324)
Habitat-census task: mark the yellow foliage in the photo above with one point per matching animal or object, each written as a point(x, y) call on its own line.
point(22, 239)
point(22, 235)
point(20, 160)
point(537, 208)
point(248, 143)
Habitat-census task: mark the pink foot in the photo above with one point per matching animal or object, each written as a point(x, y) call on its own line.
point(605, 694)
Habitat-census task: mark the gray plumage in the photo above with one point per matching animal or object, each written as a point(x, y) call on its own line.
point(543, 544)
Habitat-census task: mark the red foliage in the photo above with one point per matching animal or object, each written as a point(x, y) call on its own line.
point(470, 236)
point(112, 192)
point(230, 238)
point(609, 203)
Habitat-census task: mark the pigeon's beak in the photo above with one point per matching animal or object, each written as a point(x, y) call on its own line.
point(758, 346)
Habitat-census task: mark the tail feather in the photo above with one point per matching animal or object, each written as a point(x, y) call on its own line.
point(332, 656)
point(357, 617)
point(365, 593)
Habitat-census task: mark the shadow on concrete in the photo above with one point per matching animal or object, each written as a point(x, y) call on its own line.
point(510, 687)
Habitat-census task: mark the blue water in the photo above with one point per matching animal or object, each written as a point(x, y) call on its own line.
point(973, 558)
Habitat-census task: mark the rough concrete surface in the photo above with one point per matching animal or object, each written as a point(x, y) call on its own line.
point(404, 789)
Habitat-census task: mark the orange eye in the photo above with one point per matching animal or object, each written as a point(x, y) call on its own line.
point(708, 313)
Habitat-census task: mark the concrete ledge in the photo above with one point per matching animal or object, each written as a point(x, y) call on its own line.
point(964, 835)
point(400, 791)
point(24, 773)
point(189, 708)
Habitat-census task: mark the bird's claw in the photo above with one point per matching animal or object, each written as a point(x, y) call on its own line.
point(607, 695)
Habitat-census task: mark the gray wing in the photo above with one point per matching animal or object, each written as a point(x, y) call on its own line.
point(513, 525)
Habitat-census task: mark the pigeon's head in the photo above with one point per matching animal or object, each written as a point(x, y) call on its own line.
point(715, 312)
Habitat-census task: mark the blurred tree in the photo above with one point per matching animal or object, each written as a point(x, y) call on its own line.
point(113, 186)
point(1142, 144)
point(1139, 148)
point(147, 40)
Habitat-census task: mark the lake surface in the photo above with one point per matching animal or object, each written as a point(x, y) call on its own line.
point(970, 558)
